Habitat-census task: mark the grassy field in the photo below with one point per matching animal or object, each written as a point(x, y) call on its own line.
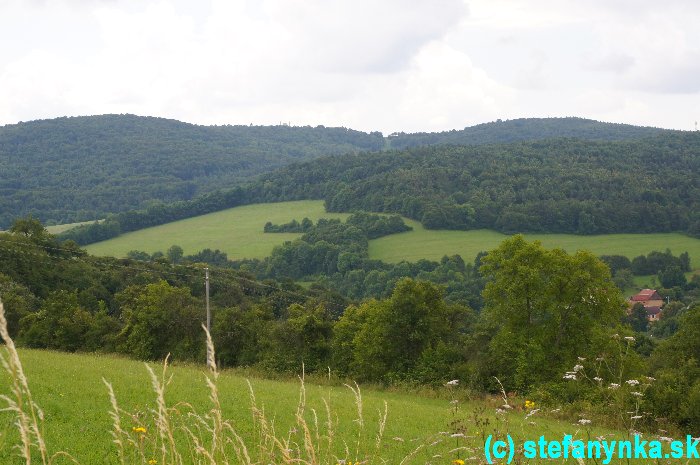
point(59, 228)
point(69, 389)
point(432, 245)
point(236, 231)
point(239, 233)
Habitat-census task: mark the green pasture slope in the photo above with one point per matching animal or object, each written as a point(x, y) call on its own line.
point(70, 391)
point(236, 231)
point(239, 232)
point(432, 244)
point(59, 228)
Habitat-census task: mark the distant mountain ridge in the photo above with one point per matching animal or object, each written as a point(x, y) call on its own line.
point(524, 129)
point(81, 168)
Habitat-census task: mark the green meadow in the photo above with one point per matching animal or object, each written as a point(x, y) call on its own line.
point(59, 228)
point(239, 232)
point(236, 231)
point(70, 391)
point(432, 244)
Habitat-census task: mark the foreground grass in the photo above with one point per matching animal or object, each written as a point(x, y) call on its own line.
point(434, 244)
point(69, 389)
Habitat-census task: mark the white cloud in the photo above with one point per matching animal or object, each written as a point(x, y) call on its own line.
point(390, 65)
point(444, 89)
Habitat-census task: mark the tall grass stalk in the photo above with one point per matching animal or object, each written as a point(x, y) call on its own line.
point(30, 418)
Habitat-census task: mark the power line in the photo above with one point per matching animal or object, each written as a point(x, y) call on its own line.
point(181, 271)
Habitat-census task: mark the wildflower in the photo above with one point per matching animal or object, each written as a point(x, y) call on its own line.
point(583, 421)
point(632, 382)
point(636, 417)
point(458, 462)
point(152, 462)
point(454, 382)
point(139, 429)
point(570, 376)
point(581, 359)
point(650, 379)
point(665, 439)
point(637, 394)
point(529, 404)
point(597, 379)
point(578, 368)
point(629, 339)
point(613, 386)
point(457, 435)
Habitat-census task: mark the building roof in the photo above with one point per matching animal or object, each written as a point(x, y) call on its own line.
point(653, 310)
point(646, 294)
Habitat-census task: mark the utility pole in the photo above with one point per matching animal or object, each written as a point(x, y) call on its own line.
point(206, 290)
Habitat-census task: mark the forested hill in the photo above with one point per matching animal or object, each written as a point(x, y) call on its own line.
point(557, 185)
point(80, 168)
point(525, 129)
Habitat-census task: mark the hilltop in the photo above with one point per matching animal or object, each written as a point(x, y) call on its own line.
point(523, 129)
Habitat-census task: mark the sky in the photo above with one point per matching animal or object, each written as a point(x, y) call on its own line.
point(386, 65)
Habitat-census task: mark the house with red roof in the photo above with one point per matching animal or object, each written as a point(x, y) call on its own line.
point(651, 300)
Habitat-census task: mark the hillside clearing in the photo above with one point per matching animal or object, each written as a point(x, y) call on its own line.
point(59, 228)
point(236, 231)
point(239, 232)
point(433, 244)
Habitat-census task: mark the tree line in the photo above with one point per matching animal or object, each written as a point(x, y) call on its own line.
point(669, 269)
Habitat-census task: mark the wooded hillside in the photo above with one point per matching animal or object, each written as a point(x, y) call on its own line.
point(75, 169)
point(82, 168)
point(555, 186)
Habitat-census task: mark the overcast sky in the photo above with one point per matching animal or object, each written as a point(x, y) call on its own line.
point(388, 65)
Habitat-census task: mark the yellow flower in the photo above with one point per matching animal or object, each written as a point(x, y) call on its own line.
point(139, 429)
point(152, 462)
point(529, 404)
point(458, 462)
